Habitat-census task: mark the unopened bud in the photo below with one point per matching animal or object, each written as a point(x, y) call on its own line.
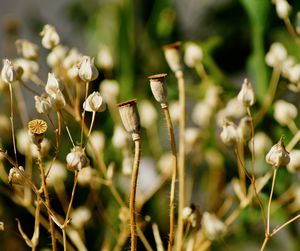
point(105, 59)
point(244, 129)
point(77, 159)
point(212, 226)
point(8, 72)
point(172, 55)
point(94, 103)
point(246, 95)
point(50, 37)
point(16, 176)
point(193, 54)
point(158, 87)
point(276, 55)
point(130, 118)
point(284, 112)
point(294, 164)
point(27, 49)
point(191, 215)
point(148, 114)
point(278, 155)
point(283, 8)
point(110, 90)
point(229, 134)
point(87, 70)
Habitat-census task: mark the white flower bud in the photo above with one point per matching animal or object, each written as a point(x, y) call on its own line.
point(284, 112)
point(294, 164)
point(72, 59)
point(16, 176)
point(29, 67)
point(23, 141)
point(110, 170)
point(58, 100)
point(80, 216)
point(213, 227)
point(212, 96)
point(27, 49)
point(56, 56)
point(43, 104)
point(52, 85)
point(120, 137)
point(50, 37)
point(246, 95)
point(193, 54)
point(110, 90)
point(262, 143)
point(278, 155)
point(44, 148)
point(229, 134)
point(244, 129)
point(8, 72)
point(148, 114)
point(73, 72)
point(57, 174)
point(202, 114)
point(283, 8)
point(172, 56)
point(97, 140)
point(124, 214)
point(276, 55)
point(293, 73)
point(105, 59)
point(87, 70)
point(94, 103)
point(127, 163)
point(76, 159)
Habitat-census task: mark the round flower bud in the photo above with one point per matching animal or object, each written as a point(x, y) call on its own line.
point(97, 140)
point(76, 159)
point(130, 118)
point(42, 149)
point(158, 87)
point(23, 141)
point(29, 67)
point(191, 137)
point(165, 163)
point(192, 54)
point(94, 103)
point(50, 37)
point(16, 176)
point(43, 104)
point(213, 227)
point(276, 55)
point(88, 176)
point(57, 174)
point(191, 215)
point(262, 143)
point(172, 56)
point(284, 112)
point(278, 155)
point(52, 85)
point(58, 100)
point(148, 114)
point(8, 72)
point(127, 163)
point(72, 59)
point(246, 95)
point(27, 49)
point(110, 90)
point(37, 129)
point(56, 56)
point(80, 216)
point(120, 137)
point(229, 134)
point(294, 164)
point(174, 108)
point(105, 59)
point(87, 70)
point(283, 8)
point(202, 114)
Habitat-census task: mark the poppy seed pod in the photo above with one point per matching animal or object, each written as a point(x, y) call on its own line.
point(37, 129)
point(159, 88)
point(278, 155)
point(172, 56)
point(130, 118)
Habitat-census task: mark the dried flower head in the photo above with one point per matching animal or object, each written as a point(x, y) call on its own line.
point(130, 118)
point(229, 134)
point(284, 112)
point(94, 103)
point(27, 49)
point(77, 159)
point(37, 128)
point(278, 155)
point(172, 55)
point(159, 87)
point(16, 176)
point(246, 95)
point(50, 37)
point(87, 70)
point(8, 72)
point(212, 226)
point(43, 104)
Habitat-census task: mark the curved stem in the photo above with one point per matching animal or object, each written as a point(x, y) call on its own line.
point(134, 177)
point(181, 157)
point(174, 169)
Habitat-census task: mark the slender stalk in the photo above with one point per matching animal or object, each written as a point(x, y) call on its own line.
point(267, 238)
point(134, 176)
point(47, 200)
point(291, 30)
point(174, 170)
point(181, 157)
point(239, 149)
point(270, 200)
point(83, 113)
point(293, 141)
point(276, 230)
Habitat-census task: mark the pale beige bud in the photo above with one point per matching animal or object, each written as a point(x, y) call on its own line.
point(262, 143)
point(130, 118)
point(147, 113)
point(278, 155)
point(244, 129)
point(276, 55)
point(44, 148)
point(105, 59)
point(94, 103)
point(29, 68)
point(193, 54)
point(56, 56)
point(246, 95)
point(80, 217)
point(283, 8)
point(8, 72)
point(16, 176)
point(294, 164)
point(110, 170)
point(120, 137)
point(23, 141)
point(174, 108)
point(191, 215)
point(52, 85)
point(77, 159)
point(58, 173)
point(50, 37)
point(172, 55)
point(72, 59)
point(27, 49)
point(159, 87)
point(88, 176)
point(202, 114)
point(110, 90)
point(191, 137)
point(43, 104)
point(58, 100)
point(284, 112)
point(229, 134)
point(124, 214)
point(212, 226)
point(87, 70)
point(96, 142)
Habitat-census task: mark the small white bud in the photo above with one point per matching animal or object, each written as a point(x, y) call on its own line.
point(52, 85)
point(110, 170)
point(212, 226)
point(278, 155)
point(193, 54)
point(110, 90)
point(174, 108)
point(262, 143)
point(43, 104)
point(127, 166)
point(191, 137)
point(23, 141)
point(27, 49)
point(87, 70)
point(284, 112)
point(56, 56)
point(72, 59)
point(283, 8)
point(229, 134)
point(165, 163)
point(8, 72)
point(294, 164)
point(58, 100)
point(29, 68)
point(172, 56)
point(94, 103)
point(97, 140)
point(276, 55)
point(50, 37)
point(44, 148)
point(57, 174)
point(80, 216)
point(88, 176)
point(246, 95)
point(120, 137)
point(76, 159)
point(148, 114)
point(202, 114)
point(16, 176)
point(190, 215)
point(105, 59)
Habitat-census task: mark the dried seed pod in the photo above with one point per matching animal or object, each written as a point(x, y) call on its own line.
point(16, 176)
point(246, 95)
point(278, 155)
point(172, 55)
point(37, 128)
point(77, 159)
point(130, 118)
point(158, 87)
point(229, 133)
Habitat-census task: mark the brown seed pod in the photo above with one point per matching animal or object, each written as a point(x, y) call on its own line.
point(158, 87)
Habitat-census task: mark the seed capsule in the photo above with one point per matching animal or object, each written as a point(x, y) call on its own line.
point(158, 87)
